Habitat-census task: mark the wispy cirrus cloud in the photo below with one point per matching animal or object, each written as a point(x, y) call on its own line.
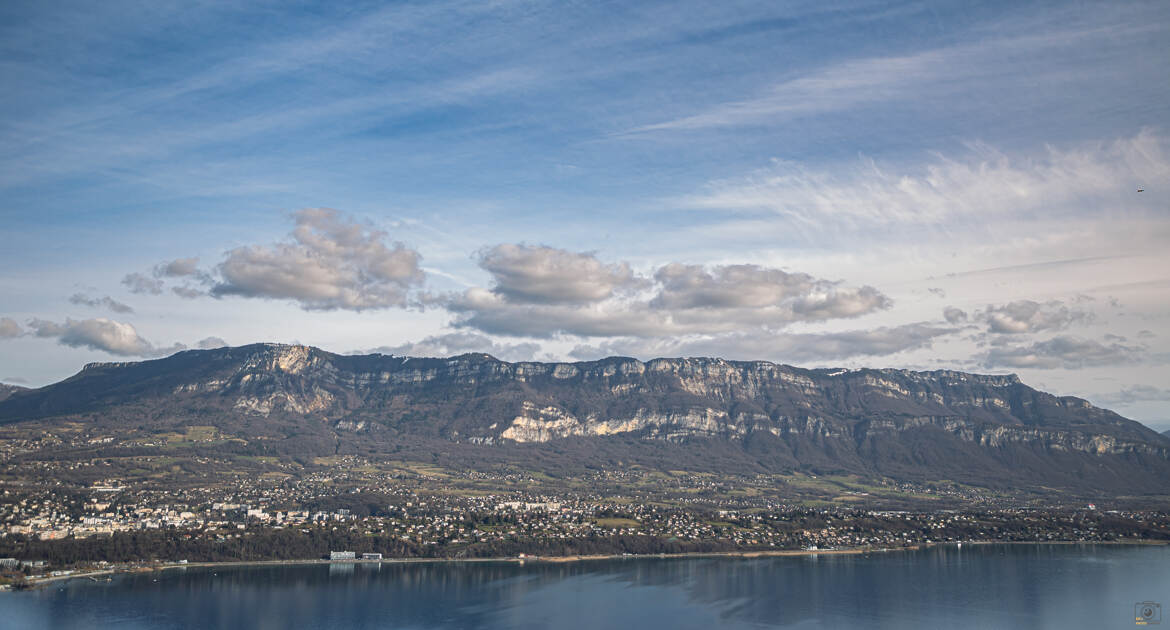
point(838, 87)
point(935, 74)
point(984, 183)
point(120, 124)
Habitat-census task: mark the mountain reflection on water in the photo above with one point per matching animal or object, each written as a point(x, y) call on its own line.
point(1034, 586)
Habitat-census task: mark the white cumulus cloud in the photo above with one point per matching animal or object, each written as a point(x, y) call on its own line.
point(546, 275)
point(576, 294)
point(10, 328)
point(330, 262)
point(103, 334)
point(1028, 316)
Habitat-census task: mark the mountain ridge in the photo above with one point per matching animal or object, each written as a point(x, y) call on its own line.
point(7, 390)
point(989, 429)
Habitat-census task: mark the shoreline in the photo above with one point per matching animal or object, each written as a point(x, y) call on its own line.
point(37, 583)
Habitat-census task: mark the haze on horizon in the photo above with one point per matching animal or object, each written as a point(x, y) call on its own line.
point(913, 185)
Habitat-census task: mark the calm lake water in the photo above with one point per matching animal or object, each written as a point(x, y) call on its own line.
point(1001, 586)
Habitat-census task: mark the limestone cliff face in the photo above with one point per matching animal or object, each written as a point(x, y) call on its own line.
point(852, 417)
point(542, 424)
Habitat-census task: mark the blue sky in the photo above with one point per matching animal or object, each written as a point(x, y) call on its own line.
point(920, 185)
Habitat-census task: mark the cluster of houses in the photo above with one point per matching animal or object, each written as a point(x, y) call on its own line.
point(343, 556)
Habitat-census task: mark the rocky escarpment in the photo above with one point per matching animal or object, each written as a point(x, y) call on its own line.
point(778, 416)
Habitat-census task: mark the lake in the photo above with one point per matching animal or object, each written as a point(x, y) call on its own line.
point(976, 586)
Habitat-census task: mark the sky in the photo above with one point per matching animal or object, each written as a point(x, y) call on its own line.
point(919, 185)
